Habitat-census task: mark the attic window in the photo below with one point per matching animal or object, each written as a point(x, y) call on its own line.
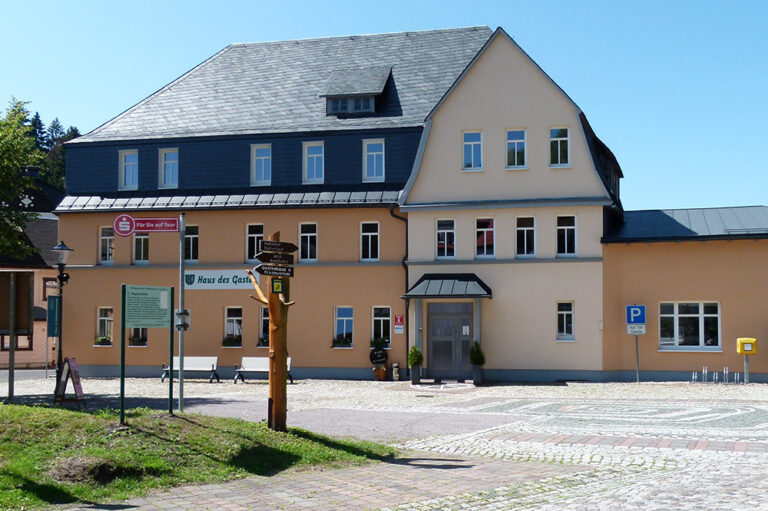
point(355, 90)
point(351, 105)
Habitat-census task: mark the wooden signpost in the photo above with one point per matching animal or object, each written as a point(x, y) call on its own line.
point(274, 251)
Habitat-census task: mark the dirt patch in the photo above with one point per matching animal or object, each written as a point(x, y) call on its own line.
point(82, 469)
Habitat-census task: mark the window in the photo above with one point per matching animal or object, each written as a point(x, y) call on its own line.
point(346, 105)
point(261, 164)
point(515, 149)
point(191, 238)
point(526, 236)
point(49, 284)
point(129, 169)
point(106, 245)
point(264, 328)
point(689, 325)
point(141, 248)
point(485, 235)
point(137, 337)
point(313, 163)
point(369, 241)
point(23, 343)
point(445, 239)
point(364, 104)
point(382, 322)
point(473, 150)
point(566, 235)
point(342, 337)
point(169, 168)
point(233, 326)
point(254, 235)
point(558, 147)
point(565, 321)
point(104, 325)
point(308, 242)
point(373, 161)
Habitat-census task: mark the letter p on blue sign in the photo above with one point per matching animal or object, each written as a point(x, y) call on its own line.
point(635, 314)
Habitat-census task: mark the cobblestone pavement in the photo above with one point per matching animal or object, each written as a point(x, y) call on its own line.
point(577, 446)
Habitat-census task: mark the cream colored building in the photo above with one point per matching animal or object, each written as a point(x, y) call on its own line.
point(506, 207)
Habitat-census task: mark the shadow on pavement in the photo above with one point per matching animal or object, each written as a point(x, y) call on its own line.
point(433, 463)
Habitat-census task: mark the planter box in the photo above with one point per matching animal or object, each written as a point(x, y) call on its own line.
point(477, 375)
point(415, 375)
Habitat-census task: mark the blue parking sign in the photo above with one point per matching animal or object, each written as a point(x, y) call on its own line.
point(635, 314)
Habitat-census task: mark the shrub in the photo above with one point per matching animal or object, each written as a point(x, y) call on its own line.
point(415, 358)
point(476, 355)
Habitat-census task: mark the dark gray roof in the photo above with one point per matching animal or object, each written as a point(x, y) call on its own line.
point(692, 224)
point(277, 86)
point(73, 203)
point(361, 81)
point(39, 234)
point(449, 285)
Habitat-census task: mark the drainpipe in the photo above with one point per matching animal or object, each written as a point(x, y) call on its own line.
point(407, 325)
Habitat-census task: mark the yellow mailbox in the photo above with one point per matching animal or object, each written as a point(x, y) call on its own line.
point(746, 346)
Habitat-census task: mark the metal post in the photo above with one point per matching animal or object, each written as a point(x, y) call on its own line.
point(12, 337)
point(170, 359)
point(60, 356)
point(182, 229)
point(637, 360)
point(746, 369)
point(122, 354)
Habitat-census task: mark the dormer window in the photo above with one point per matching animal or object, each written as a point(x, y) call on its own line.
point(354, 91)
point(350, 105)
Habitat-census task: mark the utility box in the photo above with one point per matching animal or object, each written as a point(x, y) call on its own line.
point(746, 346)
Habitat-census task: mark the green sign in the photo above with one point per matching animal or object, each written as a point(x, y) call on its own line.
point(54, 316)
point(147, 307)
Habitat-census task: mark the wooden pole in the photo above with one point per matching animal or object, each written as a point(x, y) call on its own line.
point(278, 354)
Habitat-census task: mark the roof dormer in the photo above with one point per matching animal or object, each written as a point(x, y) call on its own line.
point(354, 90)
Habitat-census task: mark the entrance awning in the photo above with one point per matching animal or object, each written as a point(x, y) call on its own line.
point(449, 285)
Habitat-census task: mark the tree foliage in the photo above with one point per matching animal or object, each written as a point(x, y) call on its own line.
point(17, 150)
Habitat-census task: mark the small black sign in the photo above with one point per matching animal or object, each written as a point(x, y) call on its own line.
point(277, 246)
point(275, 257)
point(378, 356)
point(275, 271)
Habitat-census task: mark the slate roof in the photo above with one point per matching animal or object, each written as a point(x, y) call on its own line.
point(449, 285)
point(39, 233)
point(276, 87)
point(361, 81)
point(692, 224)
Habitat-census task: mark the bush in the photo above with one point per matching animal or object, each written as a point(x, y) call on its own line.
point(415, 358)
point(103, 341)
point(476, 355)
point(233, 340)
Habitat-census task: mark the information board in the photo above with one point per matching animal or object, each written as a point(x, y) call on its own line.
point(147, 307)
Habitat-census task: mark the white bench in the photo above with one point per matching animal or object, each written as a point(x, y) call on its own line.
point(194, 365)
point(256, 365)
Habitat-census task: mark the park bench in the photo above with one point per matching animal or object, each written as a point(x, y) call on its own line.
point(195, 365)
point(256, 365)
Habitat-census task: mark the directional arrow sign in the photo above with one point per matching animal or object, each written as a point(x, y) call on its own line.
point(274, 271)
point(277, 246)
point(275, 257)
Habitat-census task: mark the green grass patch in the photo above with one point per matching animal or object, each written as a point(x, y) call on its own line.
point(54, 456)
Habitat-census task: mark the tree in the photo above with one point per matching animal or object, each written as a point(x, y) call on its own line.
point(55, 160)
point(39, 133)
point(17, 150)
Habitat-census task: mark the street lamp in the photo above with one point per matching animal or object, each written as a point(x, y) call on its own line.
point(61, 252)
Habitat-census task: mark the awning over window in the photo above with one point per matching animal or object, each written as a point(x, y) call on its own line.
point(449, 285)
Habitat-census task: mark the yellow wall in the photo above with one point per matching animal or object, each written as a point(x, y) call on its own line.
point(732, 273)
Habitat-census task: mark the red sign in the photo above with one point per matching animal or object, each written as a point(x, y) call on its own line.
point(399, 320)
point(125, 225)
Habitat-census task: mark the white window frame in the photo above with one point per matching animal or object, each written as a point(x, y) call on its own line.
point(437, 239)
point(109, 322)
point(263, 332)
point(122, 164)
point(136, 237)
point(234, 321)
point(255, 159)
point(674, 345)
point(567, 140)
point(492, 230)
point(374, 319)
point(519, 229)
point(305, 163)
point(366, 177)
point(345, 319)
point(110, 241)
point(161, 168)
point(256, 237)
point(194, 239)
point(464, 143)
point(317, 239)
point(524, 141)
point(575, 236)
point(365, 238)
point(565, 336)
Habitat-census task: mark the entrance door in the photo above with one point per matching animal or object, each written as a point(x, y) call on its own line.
point(450, 337)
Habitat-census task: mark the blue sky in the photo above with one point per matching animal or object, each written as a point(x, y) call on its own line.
point(677, 89)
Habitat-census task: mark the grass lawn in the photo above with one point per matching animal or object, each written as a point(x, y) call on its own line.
point(51, 455)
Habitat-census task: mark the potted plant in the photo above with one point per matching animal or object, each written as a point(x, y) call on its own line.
point(263, 341)
point(137, 341)
point(232, 340)
point(477, 359)
point(341, 342)
point(379, 343)
point(415, 359)
point(102, 341)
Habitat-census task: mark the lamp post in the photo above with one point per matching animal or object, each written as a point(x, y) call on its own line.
point(61, 252)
